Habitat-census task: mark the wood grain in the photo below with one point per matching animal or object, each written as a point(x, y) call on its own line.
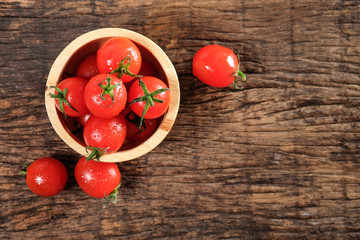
point(276, 160)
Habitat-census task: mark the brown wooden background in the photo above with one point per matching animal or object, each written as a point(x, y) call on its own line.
point(277, 160)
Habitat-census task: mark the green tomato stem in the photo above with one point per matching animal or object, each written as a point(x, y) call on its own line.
point(124, 68)
point(108, 89)
point(112, 197)
point(24, 169)
point(238, 74)
point(96, 153)
point(61, 96)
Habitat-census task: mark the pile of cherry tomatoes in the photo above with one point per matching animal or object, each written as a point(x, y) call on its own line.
point(116, 95)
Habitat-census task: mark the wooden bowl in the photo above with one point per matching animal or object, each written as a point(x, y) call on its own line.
point(90, 42)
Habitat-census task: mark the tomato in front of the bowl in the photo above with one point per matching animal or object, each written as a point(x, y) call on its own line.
point(98, 179)
point(46, 176)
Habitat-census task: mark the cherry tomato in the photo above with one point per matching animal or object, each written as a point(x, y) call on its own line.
point(216, 66)
point(98, 179)
point(140, 93)
point(87, 67)
point(132, 122)
point(46, 177)
point(105, 96)
point(119, 56)
point(83, 119)
point(104, 133)
point(69, 96)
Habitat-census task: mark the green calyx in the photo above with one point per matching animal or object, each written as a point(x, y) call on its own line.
point(112, 197)
point(238, 74)
point(108, 89)
point(61, 96)
point(96, 153)
point(124, 68)
point(24, 170)
point(149, 99)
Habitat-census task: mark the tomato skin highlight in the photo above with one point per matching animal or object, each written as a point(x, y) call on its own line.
point(105, 133)
point(105, 108)
point(87, 68)
point(46, 177)
point(113, 51)
point(215, 65)
point(152, 84)
point(97, 179)
point(75, 96)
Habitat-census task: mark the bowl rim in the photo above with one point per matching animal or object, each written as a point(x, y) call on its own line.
point(168, 68)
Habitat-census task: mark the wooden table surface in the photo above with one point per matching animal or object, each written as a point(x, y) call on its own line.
point(278, 159)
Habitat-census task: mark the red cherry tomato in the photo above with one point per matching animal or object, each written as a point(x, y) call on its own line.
point(105, 96)
point(216, 66)
point(132, 122)
point(83, 119)
point(105, 133)
point(46, 177)
point(87, 67)
point(118, 55)
point(137, 91)
point(69, 96)
point(98, 179)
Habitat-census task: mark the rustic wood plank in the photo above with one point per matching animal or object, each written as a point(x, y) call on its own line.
point(276, 160)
